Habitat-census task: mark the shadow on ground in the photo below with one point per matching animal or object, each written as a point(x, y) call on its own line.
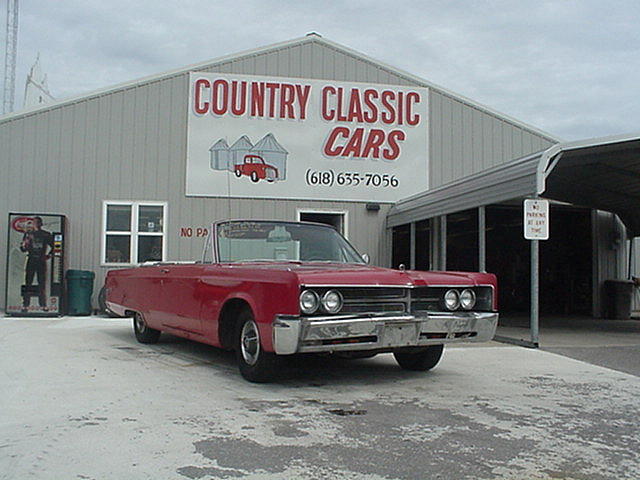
point(295, 371)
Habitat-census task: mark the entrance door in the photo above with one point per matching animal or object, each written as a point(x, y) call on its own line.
point(335, 219)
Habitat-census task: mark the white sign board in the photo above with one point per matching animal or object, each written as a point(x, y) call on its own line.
point(536, 219)
point(277, 137)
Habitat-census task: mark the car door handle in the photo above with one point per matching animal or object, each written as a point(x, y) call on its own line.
point(164, 270)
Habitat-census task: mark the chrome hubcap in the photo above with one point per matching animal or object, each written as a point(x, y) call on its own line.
point(140, 326)
point(250, 343)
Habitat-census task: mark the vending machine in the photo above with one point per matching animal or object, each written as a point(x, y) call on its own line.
point(35, 265)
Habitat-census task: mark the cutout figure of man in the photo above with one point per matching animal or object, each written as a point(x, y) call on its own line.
point(38, 244)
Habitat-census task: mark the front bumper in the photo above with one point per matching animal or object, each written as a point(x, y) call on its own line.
point(294, 334)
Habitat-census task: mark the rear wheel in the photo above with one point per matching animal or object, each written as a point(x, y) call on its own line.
point(144, 333)
point(238, 173)
point(254, 363)
point(419, 360)
point(102, 303)
point(254, 176)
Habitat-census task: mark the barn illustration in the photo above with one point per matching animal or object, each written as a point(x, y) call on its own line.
point(238, 151)
point(273, 154)
point(235, 158)
point(219, 155)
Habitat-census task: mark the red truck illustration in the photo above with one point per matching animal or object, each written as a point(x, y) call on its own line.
point(255, 167)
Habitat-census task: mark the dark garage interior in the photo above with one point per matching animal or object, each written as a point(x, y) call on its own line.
point(566, 260)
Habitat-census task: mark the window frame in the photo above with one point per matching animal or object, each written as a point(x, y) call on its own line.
point(133, 233)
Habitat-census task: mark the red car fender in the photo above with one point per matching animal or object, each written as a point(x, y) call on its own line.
point(266, 299)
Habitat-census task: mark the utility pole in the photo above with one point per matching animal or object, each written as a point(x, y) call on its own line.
point(10, 56)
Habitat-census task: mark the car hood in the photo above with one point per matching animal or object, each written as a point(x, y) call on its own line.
point(340, 274)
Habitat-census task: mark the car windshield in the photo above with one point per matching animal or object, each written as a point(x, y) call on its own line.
point(239, 241)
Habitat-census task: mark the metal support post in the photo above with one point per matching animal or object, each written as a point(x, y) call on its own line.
point(535, 291)
point(631, 257)
point(443, 242)
point(482, 240)
point(412, 245)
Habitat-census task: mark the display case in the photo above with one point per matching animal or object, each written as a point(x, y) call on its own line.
point(35, 264)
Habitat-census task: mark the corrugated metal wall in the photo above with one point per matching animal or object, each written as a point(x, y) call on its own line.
point(130, 144)
point(466, 140)
point(610, 254)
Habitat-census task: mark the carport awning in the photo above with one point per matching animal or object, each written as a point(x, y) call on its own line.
point(601, 173)
point(605, 176)
point(516, 179)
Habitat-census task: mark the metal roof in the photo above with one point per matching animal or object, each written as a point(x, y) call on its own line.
point(601, 173)
point(307, 39)
point(598, 173)
point(219, 145)
point(268, 143)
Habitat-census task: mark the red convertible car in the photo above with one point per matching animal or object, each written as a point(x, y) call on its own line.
point(255, 167)
point(269, 289)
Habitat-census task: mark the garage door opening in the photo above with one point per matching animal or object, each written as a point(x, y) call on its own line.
point(401, 246)
point(566, 261)
point(462, 241)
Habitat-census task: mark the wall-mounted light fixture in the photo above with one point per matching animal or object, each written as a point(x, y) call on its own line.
point(373, 207)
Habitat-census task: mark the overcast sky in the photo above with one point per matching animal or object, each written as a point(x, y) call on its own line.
point(570, 68)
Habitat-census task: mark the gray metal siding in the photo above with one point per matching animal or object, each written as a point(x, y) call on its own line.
point(609, 258)
point(465, 140)
point(130, 144)
point(310, 60)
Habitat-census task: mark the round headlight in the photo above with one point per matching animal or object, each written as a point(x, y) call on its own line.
point(451, 299)
point(309, 301)
point(332, 301)
point(467, 299)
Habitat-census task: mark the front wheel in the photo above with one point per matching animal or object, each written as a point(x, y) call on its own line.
point(421, 360)
point(144, 333)
point(255, 364)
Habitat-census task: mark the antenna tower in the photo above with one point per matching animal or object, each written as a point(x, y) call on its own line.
point(10, 56)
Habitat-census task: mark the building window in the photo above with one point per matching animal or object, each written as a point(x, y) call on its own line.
point(134, 232)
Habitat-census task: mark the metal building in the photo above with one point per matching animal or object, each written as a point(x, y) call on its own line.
point(116, 162)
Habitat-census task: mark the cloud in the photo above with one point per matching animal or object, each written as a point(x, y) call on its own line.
point(568, 67)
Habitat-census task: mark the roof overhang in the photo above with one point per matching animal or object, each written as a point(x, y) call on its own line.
point(601, 173)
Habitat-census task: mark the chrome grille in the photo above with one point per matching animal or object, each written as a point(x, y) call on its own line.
point(375, 300)
point(430, 298)
point(377, 307)
point(368, 293)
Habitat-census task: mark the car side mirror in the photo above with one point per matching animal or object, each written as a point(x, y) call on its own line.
point(366, 258)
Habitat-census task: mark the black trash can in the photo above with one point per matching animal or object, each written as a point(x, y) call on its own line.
point(617, 298)
point(79, 290)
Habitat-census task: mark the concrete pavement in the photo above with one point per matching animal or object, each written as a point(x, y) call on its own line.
point(81, 399)
point(613, 344)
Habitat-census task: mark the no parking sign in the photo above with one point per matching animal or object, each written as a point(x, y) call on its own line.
point(536, 219)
